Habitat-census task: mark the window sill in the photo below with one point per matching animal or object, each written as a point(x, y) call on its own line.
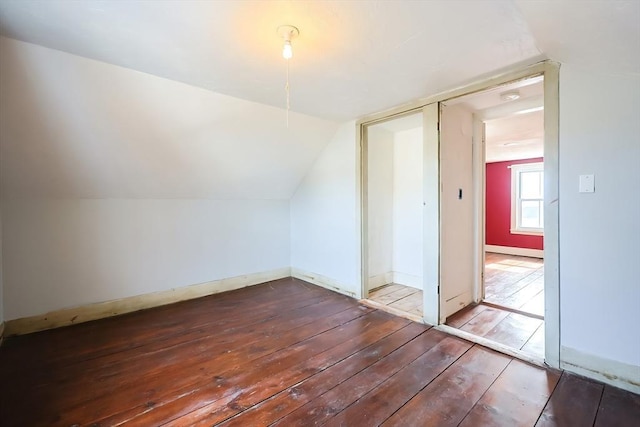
point(527, 232)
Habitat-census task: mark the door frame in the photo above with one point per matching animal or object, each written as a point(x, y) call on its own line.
point(363, 175)
point(550, 71)
point(479, 196)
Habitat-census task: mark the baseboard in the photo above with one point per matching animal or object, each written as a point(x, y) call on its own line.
point(85, 313)
point(407, 280)
point(608, 371)
point(380, 280)
point(507, 250)
point(322, 281)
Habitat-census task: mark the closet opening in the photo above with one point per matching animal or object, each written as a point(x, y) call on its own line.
point(394, 195)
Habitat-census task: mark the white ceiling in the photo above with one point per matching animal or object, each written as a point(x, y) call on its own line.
point(514, 129)
point(157, 138)
point(515, 137)
point(352, 57)
point(492, 98)
point(600, 34)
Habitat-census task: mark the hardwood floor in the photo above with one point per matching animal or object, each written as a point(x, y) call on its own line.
point(400, 297)
point(284, 353)
point(510, 281)
point(515, 282)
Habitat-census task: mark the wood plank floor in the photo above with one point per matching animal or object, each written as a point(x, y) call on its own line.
point(284, 353)
point(400, 297)
point(515, 282)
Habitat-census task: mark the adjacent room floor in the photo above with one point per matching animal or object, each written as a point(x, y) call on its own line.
point(515, 282)
point(284, 353)
point(512, 283)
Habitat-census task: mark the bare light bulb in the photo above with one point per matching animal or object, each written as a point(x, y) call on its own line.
point(287, 52)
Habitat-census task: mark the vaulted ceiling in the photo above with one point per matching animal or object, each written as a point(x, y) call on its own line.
point(352, 57)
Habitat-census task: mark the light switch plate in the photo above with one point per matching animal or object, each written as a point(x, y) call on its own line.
point(587, 184)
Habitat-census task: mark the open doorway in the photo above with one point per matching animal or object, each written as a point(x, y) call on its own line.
point(453, 217)
point(508, 127)
point(394, 194)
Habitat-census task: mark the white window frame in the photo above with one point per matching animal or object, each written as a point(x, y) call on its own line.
point(515, 205)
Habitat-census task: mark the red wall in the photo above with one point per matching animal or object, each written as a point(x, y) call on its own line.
point(498, 208)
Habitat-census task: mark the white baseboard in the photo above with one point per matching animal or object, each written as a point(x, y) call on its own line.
point(85, 313)
point(407, 280)
point(608, 371)
point(380, 280)
point(534, 253)
point(323, 281)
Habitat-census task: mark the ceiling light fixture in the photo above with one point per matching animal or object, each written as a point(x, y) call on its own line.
point(287, 32)
point(511, 95)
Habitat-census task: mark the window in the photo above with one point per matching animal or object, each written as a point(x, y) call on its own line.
point(527, 198)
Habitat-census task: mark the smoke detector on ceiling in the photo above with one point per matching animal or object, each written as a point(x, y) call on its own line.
point(511, 95)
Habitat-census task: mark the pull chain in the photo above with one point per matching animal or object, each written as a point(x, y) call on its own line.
point(287, 32)
point(286, 88)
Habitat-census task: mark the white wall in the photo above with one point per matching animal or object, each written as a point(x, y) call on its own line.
point(380, 197)
point(61, 253)
point(407, 207)
point(324, 218)
point(117, 183)
point(86, 129)
point(600, 232)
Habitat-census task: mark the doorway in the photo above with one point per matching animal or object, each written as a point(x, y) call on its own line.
point(441, 194)
point(508, 141)
point(394, 194)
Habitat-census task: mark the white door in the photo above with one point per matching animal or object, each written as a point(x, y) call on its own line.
point(457, 250)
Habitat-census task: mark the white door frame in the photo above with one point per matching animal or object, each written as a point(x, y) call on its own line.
point(362, 169)
point(550, 70)
point(479, 194)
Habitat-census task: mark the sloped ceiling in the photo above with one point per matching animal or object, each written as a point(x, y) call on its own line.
point(72, 127)
point(219, 136)
point(352, 57)
point(600, 34)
